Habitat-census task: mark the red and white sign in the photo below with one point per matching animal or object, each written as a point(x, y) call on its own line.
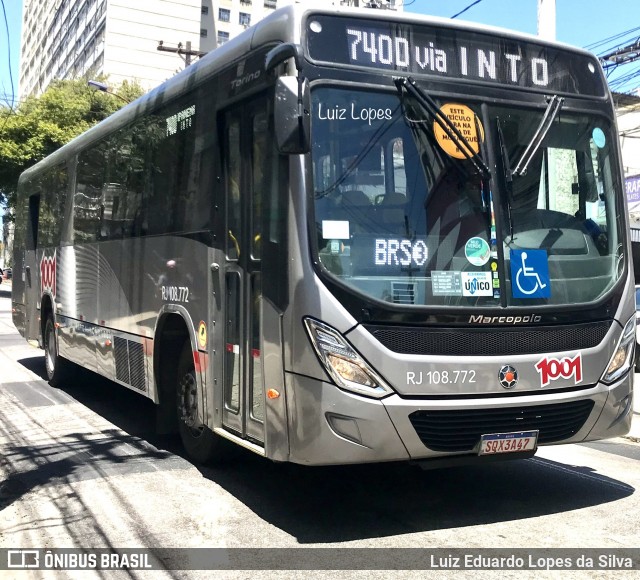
point(48, 274)
point(551, 369)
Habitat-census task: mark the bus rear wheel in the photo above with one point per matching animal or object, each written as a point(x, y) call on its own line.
point(57, 367)
point(201, 444)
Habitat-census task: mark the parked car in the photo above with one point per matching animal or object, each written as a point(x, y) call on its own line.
point(7, 274)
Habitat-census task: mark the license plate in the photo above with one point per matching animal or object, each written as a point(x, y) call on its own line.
point(494, 443)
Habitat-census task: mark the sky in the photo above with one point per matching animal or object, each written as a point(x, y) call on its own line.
point(9, 46)
point(583, 23)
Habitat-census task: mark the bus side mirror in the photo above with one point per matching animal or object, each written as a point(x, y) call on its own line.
point(292, 115)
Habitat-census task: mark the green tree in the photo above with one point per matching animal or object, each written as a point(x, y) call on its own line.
point(40, 125)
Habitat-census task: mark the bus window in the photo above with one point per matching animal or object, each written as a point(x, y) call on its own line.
point(233, 191)
point(87, 200)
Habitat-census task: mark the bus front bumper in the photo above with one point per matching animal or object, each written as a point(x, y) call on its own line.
point(329, 426)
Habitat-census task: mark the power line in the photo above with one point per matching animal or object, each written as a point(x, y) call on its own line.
point(467, 8)
point(6, 24)
point(599, 43)
point(624, 54)
point(618, 83)
point(7, 98)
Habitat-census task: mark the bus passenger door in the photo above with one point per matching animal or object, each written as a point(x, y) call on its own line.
point(243, 393)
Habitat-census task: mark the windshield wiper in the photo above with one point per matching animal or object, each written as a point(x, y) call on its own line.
point(430, 106)
point(508, 173)
point(555, 103)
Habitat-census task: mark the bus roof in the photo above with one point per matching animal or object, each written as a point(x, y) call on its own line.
point(282, 25)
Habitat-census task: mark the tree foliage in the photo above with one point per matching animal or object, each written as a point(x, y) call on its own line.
point(40, 125)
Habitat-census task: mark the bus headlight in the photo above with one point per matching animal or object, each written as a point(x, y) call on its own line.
point(621, 361)
point(344, 365)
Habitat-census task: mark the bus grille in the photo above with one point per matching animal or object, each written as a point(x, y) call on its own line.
point(489, 342)
point(129, 357)
point(451, 431)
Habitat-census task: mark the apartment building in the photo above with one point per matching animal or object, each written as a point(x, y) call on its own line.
point(64, 39)
point(230, 17)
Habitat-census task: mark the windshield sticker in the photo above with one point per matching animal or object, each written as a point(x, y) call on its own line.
point(599, 137)
point(466, 121)
point(477, 251)
point(353, 112)
point(476, 284)
point(494, 237)
point(335, 229)
point(446, 283)
point(530, 274)
point(495, 277)
point(336, 247)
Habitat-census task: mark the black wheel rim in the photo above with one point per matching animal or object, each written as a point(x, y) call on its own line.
point(188, 404)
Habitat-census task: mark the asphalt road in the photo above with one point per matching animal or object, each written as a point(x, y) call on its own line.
point(80, 466)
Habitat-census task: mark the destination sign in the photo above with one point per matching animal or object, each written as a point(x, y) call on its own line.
point(377, 255)
point(451, 53)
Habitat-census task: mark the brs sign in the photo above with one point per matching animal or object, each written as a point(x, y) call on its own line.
point(48, 274)
point(551, 369)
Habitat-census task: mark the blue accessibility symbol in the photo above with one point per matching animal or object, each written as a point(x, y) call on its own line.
point(530, 274)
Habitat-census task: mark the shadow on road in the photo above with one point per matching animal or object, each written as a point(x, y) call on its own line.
point(337, 504)
point(35, 364)
point(129, 447)
point(124, 408)
point(78, 456)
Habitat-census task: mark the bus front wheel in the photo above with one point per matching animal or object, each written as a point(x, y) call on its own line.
point(57, 367)
point(200, 443)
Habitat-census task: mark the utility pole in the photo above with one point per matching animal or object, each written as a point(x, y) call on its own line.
point(187, 52)
point(547, 19)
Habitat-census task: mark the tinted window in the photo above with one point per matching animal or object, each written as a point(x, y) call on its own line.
point(403, 217)
point(148, 178)
point(52, 206)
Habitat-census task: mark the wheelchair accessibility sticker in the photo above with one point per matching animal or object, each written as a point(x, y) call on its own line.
point(530, 274)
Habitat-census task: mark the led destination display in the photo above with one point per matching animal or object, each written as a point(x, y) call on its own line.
point(449, 53)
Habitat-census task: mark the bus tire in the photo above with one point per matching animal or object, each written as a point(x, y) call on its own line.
point(201, 444)
point(56, 366)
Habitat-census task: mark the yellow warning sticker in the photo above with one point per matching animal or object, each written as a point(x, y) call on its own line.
point(202, 335)
point(467, 122)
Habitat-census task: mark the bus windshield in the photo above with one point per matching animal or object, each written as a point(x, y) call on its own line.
point(403, 216)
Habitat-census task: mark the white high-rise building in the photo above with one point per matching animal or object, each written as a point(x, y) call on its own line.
point(64, 39)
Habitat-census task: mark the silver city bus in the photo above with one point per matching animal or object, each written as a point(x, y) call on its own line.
point(343, 237)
